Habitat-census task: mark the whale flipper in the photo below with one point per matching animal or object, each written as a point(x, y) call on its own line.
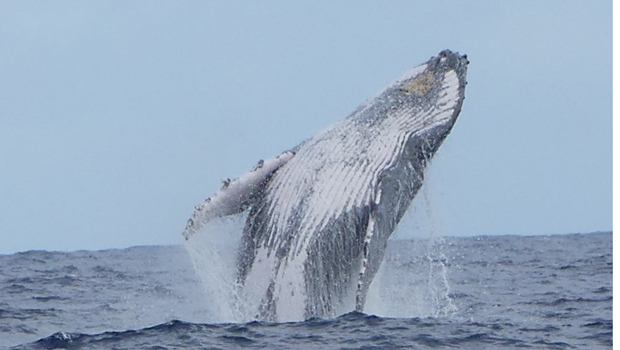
point(396, 188)
point(236, 195)
point(317, 229)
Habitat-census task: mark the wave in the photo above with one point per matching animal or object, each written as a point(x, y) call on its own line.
point(353, 330)
point(177, 333)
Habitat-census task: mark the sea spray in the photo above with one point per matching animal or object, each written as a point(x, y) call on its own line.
point(410, 283)
point(414, 282)
point(438, 285)
point(213, 251)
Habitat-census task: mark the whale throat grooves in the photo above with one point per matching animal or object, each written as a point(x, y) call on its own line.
point(319, 216)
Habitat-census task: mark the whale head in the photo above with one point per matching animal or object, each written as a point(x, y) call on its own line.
point(422, 104)
point(435, 91)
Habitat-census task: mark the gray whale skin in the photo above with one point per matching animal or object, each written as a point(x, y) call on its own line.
point(319, 216)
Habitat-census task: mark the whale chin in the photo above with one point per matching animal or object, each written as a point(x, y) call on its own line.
point(319, 216)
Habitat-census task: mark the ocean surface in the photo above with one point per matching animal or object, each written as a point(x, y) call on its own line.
point(488, 292)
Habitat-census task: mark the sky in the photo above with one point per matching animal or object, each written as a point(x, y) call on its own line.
point(117, 118)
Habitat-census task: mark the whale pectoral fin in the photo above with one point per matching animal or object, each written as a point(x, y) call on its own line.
point(365, 278)
point(236, 195)
point(373, 251)
point(386, 210)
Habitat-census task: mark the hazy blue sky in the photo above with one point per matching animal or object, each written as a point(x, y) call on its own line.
point(117, 117)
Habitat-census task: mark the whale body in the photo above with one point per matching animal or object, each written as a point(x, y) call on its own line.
point(319, 215)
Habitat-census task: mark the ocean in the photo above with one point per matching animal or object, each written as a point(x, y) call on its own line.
point(486, 292)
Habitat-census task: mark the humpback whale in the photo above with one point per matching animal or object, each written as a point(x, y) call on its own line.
point(319, 215)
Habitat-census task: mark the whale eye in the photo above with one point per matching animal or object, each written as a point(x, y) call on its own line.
point(420, 85)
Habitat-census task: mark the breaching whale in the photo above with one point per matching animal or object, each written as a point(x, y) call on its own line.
point(319, 215)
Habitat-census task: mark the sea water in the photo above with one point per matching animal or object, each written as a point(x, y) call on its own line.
point(486, 292)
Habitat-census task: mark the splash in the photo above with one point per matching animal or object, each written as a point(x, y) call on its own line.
point(411, 282)
point(213, 252)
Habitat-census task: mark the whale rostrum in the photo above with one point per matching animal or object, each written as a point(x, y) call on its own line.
point(319, 215)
